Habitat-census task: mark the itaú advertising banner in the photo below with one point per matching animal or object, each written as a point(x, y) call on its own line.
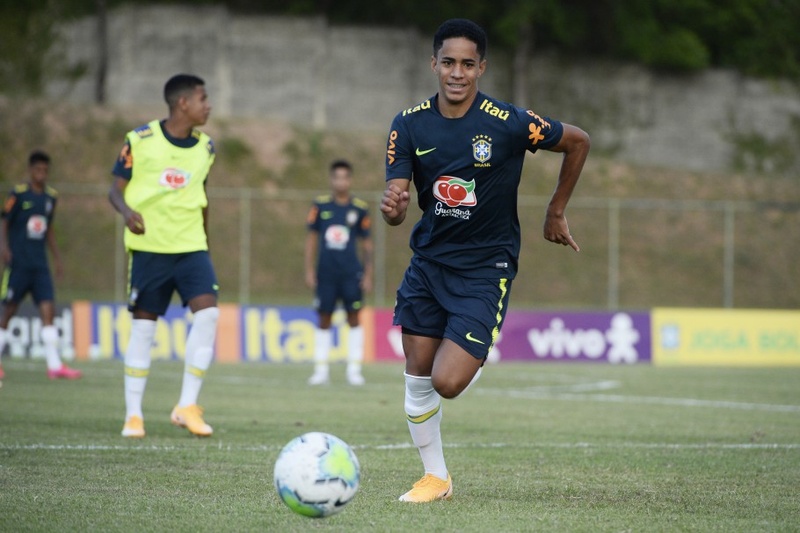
point(601, 337)
point(244, 333)
point(729, 337)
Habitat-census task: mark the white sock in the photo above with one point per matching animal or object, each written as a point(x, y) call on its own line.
point(355, 350)
point(199, 353)
point(423, 407)
point(3, 340)
point(50, 341)
point(472, 381)
point(323, 338)
point(137, 365)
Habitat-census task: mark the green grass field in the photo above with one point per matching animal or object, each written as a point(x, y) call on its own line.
point(532, 447)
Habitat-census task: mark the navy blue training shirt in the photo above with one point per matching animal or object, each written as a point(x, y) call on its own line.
point(466, 172)
point(29, 215)
point(339, 227)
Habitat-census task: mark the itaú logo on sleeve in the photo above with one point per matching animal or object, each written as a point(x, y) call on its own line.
point(174, 178)
point(455, 191)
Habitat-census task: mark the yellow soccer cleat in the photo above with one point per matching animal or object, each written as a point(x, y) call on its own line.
point(133, 428)
point(191, 418)
point(429, 488)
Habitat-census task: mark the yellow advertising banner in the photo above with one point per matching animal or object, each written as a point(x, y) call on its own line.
point(725, 337)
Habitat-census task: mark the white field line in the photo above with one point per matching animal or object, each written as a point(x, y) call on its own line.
point(544, 393)
point(403, 446)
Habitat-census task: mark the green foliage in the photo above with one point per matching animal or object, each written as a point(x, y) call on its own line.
point(308, 156)
point(235, 150)
point(531, 447)
point(27, 35)
point(756, 37)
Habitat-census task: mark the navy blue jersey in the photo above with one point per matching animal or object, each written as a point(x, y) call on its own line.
point(339, 227)
point(29, 215)
point(467, 172)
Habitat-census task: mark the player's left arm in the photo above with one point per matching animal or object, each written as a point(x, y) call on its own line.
point(574, 144)
point(52, 245)
point(368, 252)
point(205, 217)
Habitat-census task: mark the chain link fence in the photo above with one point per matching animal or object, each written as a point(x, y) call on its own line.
point(635, 253)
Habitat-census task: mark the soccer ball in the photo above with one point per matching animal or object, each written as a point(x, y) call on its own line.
point(317, 474)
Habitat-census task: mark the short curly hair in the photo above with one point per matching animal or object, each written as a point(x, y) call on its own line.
point(460, 28)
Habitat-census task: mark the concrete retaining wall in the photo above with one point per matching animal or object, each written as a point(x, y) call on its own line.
point(304, 71)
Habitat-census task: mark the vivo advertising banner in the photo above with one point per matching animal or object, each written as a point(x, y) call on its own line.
point(726, 337)
point(600, 337)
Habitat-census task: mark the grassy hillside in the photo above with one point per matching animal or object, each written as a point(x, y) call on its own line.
point(669, 253)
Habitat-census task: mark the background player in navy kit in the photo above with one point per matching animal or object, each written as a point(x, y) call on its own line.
point(336, 224)
point(27, 230)
point(464, 151)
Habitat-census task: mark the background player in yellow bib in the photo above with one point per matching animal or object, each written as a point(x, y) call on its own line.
point(160, 190)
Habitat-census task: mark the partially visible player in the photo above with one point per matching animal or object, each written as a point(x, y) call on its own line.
point(464, 151)
point(160, 190)
point(27, 232)
point(337, 223)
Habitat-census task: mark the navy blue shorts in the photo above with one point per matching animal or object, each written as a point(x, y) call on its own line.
point(153, 277)
point(346, 290)
point(18, 282)
point(436, 302)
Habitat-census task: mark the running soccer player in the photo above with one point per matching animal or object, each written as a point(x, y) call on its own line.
point(336, 223)
point(27, 233)
point(160, 190)
point(464, 151)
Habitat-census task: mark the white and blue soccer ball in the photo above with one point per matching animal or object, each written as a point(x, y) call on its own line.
point(317, 474)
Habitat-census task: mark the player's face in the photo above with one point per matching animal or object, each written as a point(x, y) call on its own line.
point(458, 67)
point(340, 181)
point(38, 172)
point(197, 105)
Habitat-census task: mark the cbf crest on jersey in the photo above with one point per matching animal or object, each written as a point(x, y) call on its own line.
point(482, 149)
point(352, 217)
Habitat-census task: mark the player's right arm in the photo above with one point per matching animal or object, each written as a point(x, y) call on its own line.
point(394, 203)
point(8, 212)
point(310, 253)
point(399, 169)
point(116, 195)
point(312, 240)
point(5, 249)
point(123, 170)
